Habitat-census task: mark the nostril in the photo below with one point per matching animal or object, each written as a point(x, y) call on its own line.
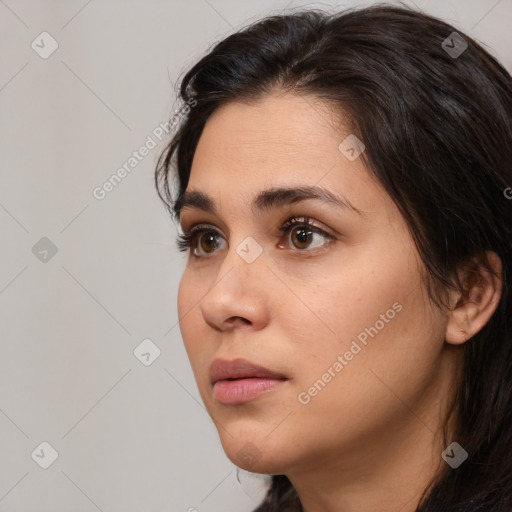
point(238, 319)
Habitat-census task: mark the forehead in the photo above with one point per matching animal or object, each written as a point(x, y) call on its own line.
point(281, 140)
point(277, 127)
point(280, 133)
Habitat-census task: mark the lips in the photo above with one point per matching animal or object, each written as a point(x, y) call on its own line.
point(240, 381)
point(222, 369)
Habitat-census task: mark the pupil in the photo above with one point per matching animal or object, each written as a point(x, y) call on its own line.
point(303, 236)
point(208, 242)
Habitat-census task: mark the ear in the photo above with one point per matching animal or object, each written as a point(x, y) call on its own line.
point(472, 308)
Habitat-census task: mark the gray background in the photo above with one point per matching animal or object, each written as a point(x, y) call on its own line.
point(129, 437)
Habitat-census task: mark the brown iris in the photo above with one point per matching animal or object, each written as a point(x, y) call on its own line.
point(208, 241)
point(303, 236)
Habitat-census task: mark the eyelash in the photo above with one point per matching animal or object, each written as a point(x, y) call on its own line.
point(187, 239)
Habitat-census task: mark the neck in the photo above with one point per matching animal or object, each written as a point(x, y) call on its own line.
point(387, 471)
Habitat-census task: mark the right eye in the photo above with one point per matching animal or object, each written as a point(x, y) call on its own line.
point(199, 237)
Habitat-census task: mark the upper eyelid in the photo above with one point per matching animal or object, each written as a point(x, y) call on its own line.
point(293, 221)
point(194, 226)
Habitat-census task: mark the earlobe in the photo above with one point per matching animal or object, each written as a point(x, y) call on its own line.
point(472, 308)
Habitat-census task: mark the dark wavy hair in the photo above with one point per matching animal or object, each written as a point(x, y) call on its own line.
point(438, 136)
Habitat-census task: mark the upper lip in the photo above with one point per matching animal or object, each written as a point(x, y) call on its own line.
point(222, 369)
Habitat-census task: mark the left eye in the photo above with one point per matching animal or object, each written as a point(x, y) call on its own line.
point(304, 235)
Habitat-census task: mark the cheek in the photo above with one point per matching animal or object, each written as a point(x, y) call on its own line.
point(184, 297)
point(385, 354)
point(368, 322)
point(193, 331)
point(356, 302)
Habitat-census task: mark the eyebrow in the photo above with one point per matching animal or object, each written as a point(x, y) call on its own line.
point(266, 200)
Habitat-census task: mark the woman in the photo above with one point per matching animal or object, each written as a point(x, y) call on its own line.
point(342, 189)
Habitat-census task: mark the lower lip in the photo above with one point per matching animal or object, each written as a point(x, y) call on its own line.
point(239, 391)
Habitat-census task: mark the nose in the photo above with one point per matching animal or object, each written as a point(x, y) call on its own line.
point(239, 296)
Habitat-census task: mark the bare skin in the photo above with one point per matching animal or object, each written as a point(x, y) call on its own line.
point(370, 438)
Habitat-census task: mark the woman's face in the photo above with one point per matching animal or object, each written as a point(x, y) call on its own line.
point(336, 313)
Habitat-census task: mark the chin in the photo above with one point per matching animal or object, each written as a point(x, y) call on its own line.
point(255, 452)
